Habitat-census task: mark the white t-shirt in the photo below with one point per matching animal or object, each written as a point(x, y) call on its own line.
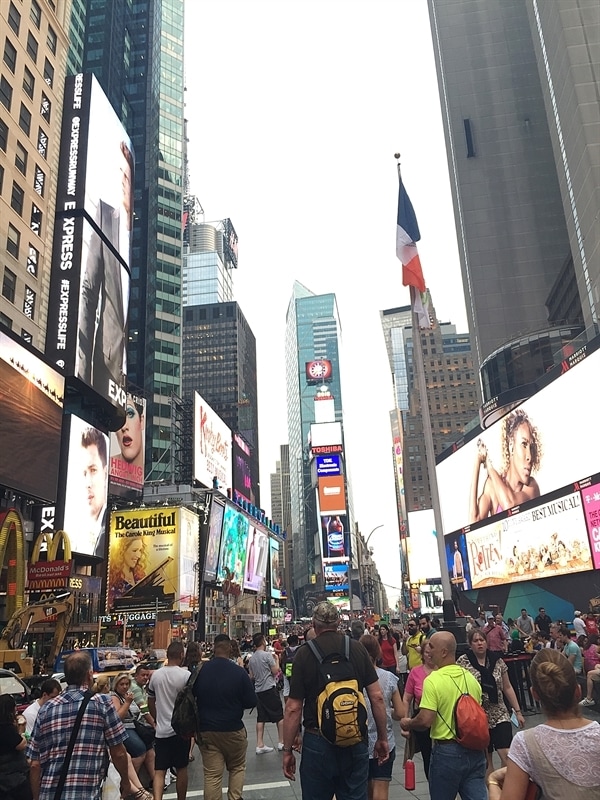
point(579, 626)
point(164, 686)
point(30, 715)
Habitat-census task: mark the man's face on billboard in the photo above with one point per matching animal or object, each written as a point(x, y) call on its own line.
point(94, 475)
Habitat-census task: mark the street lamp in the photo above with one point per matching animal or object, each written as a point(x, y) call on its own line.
point(376, 528)
point(366, 565)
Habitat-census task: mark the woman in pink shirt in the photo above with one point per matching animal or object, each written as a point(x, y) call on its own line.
point(412, 696)
point(591, 656)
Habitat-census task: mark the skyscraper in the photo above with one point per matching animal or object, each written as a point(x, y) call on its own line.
point(281, 511)
point(135, 49)
point(210, 256)
point(519, 120)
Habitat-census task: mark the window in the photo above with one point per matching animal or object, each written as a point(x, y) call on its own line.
point(32, 47)
point(14, 18)
point(28, 82)
point(10, 55)
point(29, 303)
point(42, 143)
point(39, 181)
point(21, 158)
point(48, 72)
point(25, 119)
point(5, 93)
point(6, 321)
point(1, 178)
point(9, 285)
point(33, 259)
point(13, 241)
point(45, 108)
point(16, 198)
point(35, 14)
point(3, 135)
point(51, 40)
point(36, 220)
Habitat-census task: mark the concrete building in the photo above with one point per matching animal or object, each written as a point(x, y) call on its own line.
point(281, 512)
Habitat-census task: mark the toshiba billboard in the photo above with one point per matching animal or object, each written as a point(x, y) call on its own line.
point(332, 497)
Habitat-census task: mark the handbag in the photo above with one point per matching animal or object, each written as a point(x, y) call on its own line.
point(65, 767)
point(145, 732)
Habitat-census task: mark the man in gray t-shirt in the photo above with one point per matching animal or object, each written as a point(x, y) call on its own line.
point(263, 668)
point(525, 624)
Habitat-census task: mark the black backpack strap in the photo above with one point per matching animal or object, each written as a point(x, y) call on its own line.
point(347, 647)
point(315, 650)
point(70, 747)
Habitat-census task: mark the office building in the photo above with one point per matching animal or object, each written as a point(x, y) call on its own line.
point(519, 99)
point(394, 322)
point(210, 256)
point(135, 49)
point(281, 512)
point(32, 73)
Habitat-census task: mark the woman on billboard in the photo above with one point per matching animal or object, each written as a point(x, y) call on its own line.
point(131, 435)
point(127, 566)
point(514, 484)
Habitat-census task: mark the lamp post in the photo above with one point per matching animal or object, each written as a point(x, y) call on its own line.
point(366, 564)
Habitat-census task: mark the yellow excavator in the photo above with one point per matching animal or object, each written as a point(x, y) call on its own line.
point(55, 609)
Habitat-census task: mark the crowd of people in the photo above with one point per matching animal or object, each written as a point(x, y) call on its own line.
point(410, 675)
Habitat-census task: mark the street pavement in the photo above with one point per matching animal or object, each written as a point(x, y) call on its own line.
point(265, 780)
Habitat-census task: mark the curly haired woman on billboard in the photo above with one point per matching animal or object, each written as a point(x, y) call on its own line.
point(514, 484)
point(127, 566)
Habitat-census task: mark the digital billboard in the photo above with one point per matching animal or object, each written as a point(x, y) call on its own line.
point(151, 559)
point(212, 446)
point(332, 494)
point(257, 559)
point(242, 473)
point(325, 434)
point(328, 465)
point(591, 507)
point(335, 536)
point(86, 488)
point(275, 567)
point(234, 542)
point(215, 526)
point(336, 578)
point(423, 558)
point(31, 421)
point(319, 370)
point(127, 446)
point(89, 281)
point(457, 560)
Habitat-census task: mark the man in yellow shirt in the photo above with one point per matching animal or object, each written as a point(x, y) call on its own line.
point(454, 769)
point(411, 646)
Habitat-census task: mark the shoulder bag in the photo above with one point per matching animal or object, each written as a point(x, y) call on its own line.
point(65, 767)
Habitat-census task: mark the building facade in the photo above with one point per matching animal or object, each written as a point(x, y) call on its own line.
point(210, 256)
point(281, 512)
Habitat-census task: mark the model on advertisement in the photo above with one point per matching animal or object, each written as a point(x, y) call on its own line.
point(127, 463)
point(128, 563)
point(514, 484)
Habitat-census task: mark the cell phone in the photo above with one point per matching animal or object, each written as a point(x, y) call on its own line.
point(514, 720)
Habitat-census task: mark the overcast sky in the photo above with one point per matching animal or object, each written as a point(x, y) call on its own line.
point(295, 110)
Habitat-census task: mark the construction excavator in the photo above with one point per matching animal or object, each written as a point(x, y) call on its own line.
point(56, 610)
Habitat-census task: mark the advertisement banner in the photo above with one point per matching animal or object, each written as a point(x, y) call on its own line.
point(332, 495)
point(326, 434)
point(212, 447)
point(335, 537)
point(242, 472)
point(234, 542)
point(127, 448)
point(545, 541)
point(336, 578)
point(275, 567)
point(457, 561)
point(215, 526)
point(328, 465)
point(591, 507)
point(45, 575)
point(151, 559)
point(257, 559)
point(318, 371)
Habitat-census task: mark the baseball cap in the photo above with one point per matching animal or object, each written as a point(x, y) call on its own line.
point(578, 613)
point(326, 613)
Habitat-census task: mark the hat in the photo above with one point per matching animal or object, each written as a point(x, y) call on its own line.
point(578, 613)
point(326, 613)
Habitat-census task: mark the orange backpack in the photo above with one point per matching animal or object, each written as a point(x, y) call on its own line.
point(471, 726)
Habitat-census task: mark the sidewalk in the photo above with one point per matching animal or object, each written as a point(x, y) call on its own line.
point(265, 780)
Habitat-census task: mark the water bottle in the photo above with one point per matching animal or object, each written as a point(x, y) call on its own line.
point(409, 775)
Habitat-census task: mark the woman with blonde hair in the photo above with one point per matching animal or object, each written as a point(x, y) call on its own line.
point(127, 566)
point(128, 711)
point(562, 754)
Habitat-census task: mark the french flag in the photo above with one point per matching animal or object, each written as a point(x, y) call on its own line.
point(407, 233)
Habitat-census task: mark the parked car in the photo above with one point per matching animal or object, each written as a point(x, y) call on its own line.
point(13, 685)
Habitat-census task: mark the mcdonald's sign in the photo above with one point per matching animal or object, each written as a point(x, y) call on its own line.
point(12, 554)
point(52, 573)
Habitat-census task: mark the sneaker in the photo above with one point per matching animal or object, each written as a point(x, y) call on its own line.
point(280, 746)
point(586, 702)
point(264, 749)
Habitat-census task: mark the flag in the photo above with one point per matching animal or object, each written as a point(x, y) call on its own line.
point(407, 233)
point(421, 306)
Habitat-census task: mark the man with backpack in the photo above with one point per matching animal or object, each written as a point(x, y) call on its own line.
point(287, 663)
point(455, 768)
point(329, 681)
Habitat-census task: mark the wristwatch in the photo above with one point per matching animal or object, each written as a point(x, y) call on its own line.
point(286, 749)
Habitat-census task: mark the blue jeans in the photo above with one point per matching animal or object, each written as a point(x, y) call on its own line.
point(456, 770)
point(326, 770)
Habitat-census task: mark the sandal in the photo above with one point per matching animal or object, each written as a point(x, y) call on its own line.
point(141, 794)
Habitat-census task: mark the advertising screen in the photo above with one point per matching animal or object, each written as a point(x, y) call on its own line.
point(242, 473)
point(526, 455)
point(457, 560)
point(212, 446)
point(318, 371)
point(332, 495)
point(257, 559)
point(89, 281)
point(336, 578)
point(328, 465)
point(591, 507)
point(326, 434)
point(276, 570)
point(423, 558)
point(335, 537)
point(215, 527)
point(151, 559)
point(234, 542)
point(31, 421)
point(86, 489)
point(127, 450)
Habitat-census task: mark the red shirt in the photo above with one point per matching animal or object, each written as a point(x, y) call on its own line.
point(388, 659)
point(590, 626)
point(495, 637)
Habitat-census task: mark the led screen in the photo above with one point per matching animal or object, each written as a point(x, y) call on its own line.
point(127, 450)
point(591, 507)
point(31, 421)
point(275, 567)
point(328, 465)
point(215, 526)
point(212, 447)
point(336, 578)
point(257, 559)
point(242, 472)
point(332, 495)
point(335, 536)
point(234, 542)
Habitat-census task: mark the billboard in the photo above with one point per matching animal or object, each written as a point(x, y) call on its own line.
point(423, 558)
point(319, 370)
point(31, 421)
point(86, 488)
point(242, 473)
point(257, 559)
point(591, 508)
point(325, 434)
point(127, 446)
point(332, 495)
point(335, 536)
point(336, 578)
point(212, 446)
point(151, 559)
point(213, 544)
point(89, 281)
point(328, 465)
point(234, 542)
point(275, 567)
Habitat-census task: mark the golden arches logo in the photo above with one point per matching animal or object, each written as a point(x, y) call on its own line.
point(52, 542)
point(12, 548)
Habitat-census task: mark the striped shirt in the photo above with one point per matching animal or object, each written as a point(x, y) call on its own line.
point(100, 728)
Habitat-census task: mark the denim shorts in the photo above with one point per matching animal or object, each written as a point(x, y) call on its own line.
point(382, 772)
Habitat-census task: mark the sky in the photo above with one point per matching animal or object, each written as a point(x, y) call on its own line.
point(295, 110)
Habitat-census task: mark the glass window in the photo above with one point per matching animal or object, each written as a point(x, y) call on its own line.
point(32, 47)
point(3, 135)
point(46, 108)
point(39, 181)
point(14, 18)
point(1, 178)
point(5, 93)
point(25, 119)
point(51, 40)
point(21, 158)
point(26, 336)
point(28, 82)
point(16, 198)
point(42, 142)
point(10, 55)
point(36, 220)
point(6, 321)
point(35, 14)
point(9, 284)
point(13, 240)
point(33, 259)
point(48, 73)
point(29, 303)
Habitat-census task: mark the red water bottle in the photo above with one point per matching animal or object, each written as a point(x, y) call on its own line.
point(409, 775)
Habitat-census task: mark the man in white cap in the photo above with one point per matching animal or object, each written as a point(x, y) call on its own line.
point(579, 625)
